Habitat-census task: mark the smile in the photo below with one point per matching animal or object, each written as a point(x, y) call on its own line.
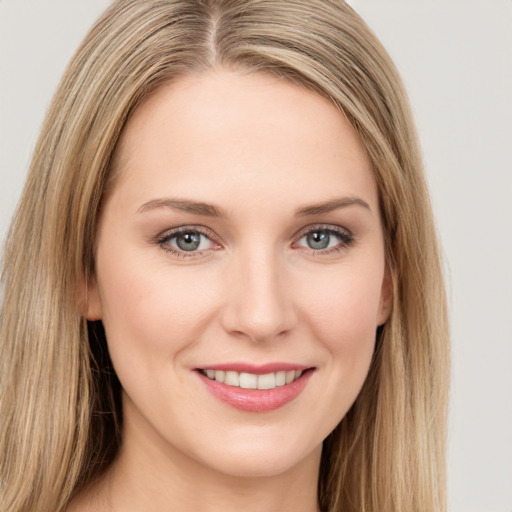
point(251, 380)
point(256, 389)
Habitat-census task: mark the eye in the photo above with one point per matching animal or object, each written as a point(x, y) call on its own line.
point(325, 239)
point(186, 241)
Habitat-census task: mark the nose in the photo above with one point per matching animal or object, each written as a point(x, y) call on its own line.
point(259, 305)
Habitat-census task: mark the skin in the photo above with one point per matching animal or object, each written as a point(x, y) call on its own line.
point(258, 149)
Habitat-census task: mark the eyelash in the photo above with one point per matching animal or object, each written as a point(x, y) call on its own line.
point(345, 238)
point(163, 241)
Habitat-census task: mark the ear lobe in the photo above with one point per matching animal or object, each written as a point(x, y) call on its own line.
point(386, 297)
point(91, 298)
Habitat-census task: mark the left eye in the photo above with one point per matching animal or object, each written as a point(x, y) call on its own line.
point(322, 239)
point(188, 241)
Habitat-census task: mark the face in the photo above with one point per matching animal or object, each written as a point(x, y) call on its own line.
point(240, 272)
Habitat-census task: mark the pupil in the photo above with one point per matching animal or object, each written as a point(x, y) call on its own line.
point(188, 241)
point(318, 239)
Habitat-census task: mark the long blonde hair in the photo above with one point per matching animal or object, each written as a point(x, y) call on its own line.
point(59, 407)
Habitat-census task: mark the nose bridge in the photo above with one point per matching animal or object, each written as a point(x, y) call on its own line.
point(260, 305)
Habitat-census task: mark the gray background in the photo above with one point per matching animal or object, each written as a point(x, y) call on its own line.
point(456, 60)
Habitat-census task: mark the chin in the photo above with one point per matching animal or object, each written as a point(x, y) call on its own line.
point(252, 463)
point(260, 452)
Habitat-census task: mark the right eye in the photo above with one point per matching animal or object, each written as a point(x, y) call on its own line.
point(186, 242)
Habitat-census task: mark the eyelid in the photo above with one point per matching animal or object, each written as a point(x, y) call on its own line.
point(345, 236)
point(163, 239)
point(322, 227)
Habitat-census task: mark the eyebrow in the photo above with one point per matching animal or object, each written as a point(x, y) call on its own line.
point(209, 210)
point(198, 208)
point(329, 206)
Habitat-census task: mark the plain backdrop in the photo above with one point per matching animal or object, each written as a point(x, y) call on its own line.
point(456, 60)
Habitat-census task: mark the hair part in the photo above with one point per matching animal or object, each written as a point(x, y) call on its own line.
point(388, 452)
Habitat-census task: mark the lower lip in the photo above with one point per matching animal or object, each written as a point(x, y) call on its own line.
point(257, 400)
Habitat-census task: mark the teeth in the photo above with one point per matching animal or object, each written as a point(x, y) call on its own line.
point(252, 381)
point(248, 381)
point(280, 378)
point(267, 381)
point(232, 379)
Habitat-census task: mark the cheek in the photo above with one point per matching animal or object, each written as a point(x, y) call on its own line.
point(151, 309)
point(152, 320)
point(342, 308)
point(149, 312)
point(339, 310)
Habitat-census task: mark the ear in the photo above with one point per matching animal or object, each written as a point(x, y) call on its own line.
point(90, 298)
point(386, 297)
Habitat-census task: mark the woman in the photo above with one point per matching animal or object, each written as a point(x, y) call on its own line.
point(222, 283)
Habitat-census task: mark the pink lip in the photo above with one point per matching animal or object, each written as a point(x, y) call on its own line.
point(256, 400)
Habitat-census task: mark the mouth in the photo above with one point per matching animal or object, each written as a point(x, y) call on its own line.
point(248, 380)
point(256, 389)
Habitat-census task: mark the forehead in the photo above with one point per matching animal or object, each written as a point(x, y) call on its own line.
point(249, 132)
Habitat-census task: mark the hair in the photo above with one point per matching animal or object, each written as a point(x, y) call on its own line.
point(60, 398)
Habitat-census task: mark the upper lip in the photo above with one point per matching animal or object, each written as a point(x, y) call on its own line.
point(257, 369)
